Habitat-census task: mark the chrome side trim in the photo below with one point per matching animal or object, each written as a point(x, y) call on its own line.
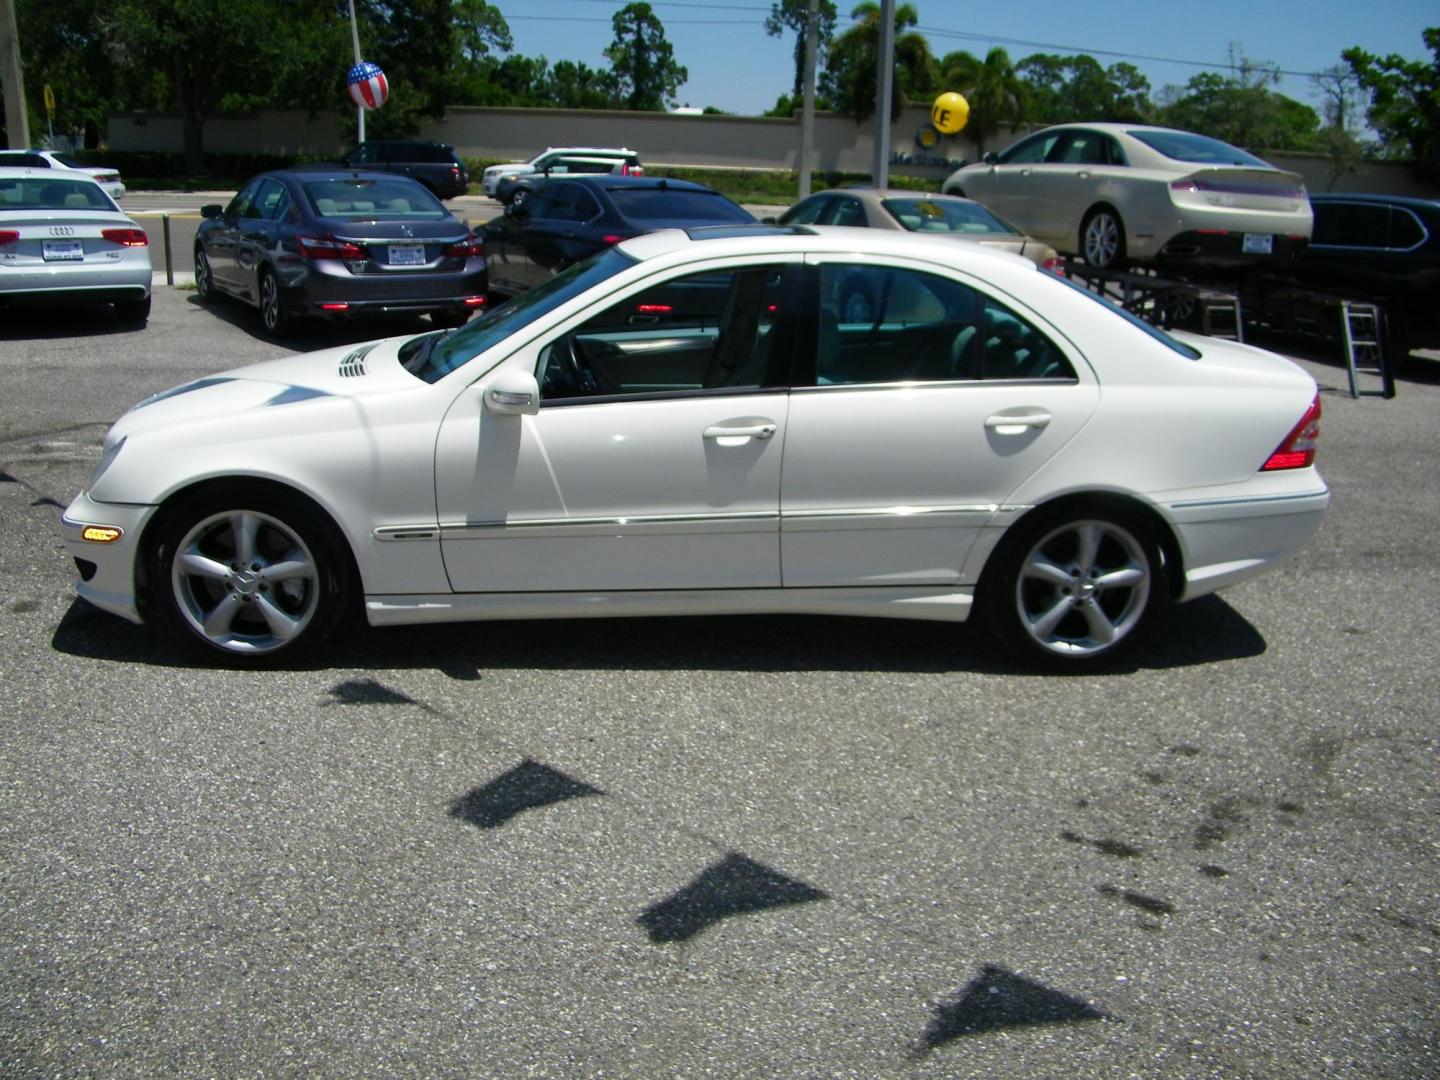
point(407, 532)
point(459, 530)
point(892, 511)
point(918, 384)
point(1247, 499)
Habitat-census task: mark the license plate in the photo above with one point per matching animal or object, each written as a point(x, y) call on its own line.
point(62, 250)
point(1258, 244)
point(407, 254)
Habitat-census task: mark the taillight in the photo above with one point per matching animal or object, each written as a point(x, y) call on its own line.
point(474, 301)
point(1184, 185)
point(1055, 264)
point(126, 237)
point(9, 236)
point(328, 247)
point(654, 309)
point(1298, 449)
point(471, 247)
point(614, 238)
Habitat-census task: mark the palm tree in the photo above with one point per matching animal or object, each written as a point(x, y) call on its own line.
point(996, 92)
point(850, 68)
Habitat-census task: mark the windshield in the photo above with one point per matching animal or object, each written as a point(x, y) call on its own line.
point(48, 193)
point(1135, 320)
point(434, 356)
point(945, 216)
point(1201, 149)
point(355, 197)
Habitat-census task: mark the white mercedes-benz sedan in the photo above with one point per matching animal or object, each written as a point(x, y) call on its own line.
point(684, 425)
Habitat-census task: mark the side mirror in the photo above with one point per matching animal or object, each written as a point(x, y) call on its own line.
point(212, 210)
point(990, 158)
point(513, 392)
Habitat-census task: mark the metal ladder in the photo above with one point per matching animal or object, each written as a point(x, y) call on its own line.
point(1362, 330)
point(1220, 315)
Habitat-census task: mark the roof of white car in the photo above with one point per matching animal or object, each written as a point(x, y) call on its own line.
point(13, 172)
point(726, 240)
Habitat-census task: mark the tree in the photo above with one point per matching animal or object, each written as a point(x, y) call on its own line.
point(1404, 102)
point(1076, 89)
point(793, 15)
point(854, 58)
point(642, 61)
point(1241, 109)
point(994, 89)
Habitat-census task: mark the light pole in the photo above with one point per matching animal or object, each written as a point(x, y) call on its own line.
point(885, 79)
point(355, 40)
point(12, 78)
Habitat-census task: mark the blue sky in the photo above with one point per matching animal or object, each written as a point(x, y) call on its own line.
point(735, 66)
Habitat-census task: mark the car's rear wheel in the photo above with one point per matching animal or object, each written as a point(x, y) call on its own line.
point(133, 311)
point(1102, 239)
point(253, 577)
point(273, 315)
point(204, 283)
point(1076, 588)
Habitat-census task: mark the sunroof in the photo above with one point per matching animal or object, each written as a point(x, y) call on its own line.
point(729, 232)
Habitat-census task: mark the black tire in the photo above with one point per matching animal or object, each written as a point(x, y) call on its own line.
point(204, 281)
point(273, 316)
point(449, 319)
point(133, 311)
point(1102, 239)
point(251, 576)
point(1076, 588)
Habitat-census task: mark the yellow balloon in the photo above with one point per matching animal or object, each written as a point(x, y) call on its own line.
point(950, 112)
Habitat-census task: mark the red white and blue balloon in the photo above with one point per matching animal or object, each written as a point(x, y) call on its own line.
point(368, 85)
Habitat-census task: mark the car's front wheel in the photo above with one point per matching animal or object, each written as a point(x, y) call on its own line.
point(204, 283)
point(250, 576)
point(1076, 588)
point(1102, 239)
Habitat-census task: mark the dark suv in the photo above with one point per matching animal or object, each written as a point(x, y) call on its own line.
point(1383, 248)
point(433, 164)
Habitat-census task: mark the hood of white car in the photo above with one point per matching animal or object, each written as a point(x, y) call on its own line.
point(348, 371)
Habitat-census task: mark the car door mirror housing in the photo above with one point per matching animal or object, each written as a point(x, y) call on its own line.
point(990, 158)
point(212, 210)
point(513, 393)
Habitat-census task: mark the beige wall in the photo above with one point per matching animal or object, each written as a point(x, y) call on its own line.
point(665, 139)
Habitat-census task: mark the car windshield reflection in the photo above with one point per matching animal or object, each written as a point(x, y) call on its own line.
point(434, 356)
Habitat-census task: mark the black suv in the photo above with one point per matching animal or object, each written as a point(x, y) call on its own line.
point(433, 164)
point(1383, 248)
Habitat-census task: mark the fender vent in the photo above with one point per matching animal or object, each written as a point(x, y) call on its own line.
point(353, 364)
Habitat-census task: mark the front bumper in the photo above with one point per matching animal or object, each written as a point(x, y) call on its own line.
point(108, 571)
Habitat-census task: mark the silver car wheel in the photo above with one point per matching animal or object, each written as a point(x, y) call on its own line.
point(270, 303)
point(1102, 239)
point(245, 582)
point(1083, 587)
point(202, 274)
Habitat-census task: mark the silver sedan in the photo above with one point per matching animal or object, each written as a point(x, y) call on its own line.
point(64, 241)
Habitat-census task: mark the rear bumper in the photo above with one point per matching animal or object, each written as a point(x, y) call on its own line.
point(326, 284)
point(1228, 539)
point(1221, 247)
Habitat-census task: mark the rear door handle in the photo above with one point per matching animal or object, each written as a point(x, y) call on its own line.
point(1016, 423)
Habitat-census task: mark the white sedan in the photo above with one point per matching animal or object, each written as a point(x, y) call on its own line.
point(104, 175)
point(683, 425)
point(64, 241)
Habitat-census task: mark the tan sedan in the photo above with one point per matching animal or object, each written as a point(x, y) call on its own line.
point(912, 211)
point(1118, 193)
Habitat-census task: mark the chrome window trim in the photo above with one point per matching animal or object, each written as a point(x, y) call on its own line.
point(1424, 232)
point(919, 383)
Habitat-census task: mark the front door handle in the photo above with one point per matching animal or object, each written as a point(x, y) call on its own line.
point(738, 432)
point(1017, 422)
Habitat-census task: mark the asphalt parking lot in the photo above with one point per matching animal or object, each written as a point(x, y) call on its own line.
point(742, 847)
